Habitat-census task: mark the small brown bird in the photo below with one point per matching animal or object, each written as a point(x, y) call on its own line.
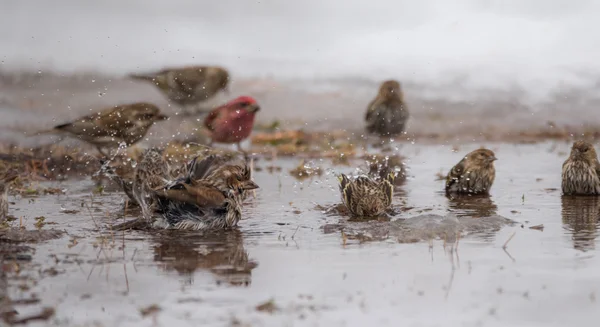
point(581, 171)
point(4, 182)
point(189, 85)
point(474, 174)
point(209, 197)
point(364, 197)
point(387, 113)
point(110, 127)
point(233, 121)
point(151, 173)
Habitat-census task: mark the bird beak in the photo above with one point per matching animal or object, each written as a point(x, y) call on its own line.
point(249, 185)
point(253, 107)
point(162, 117)
point(493, 159)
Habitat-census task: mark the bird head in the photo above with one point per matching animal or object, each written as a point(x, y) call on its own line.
point(482, 157)
point(234, 178)
point(391, 89)
point(245, 103)
point(582, 150)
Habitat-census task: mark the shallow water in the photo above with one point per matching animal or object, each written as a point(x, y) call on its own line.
point(545, 277)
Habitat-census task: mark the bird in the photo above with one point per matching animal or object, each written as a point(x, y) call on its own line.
point(188, 85)
point(111, 127)
point(209, 196)
point(387, 113)
point(581, 171)
point(4, 182)
point(151, 172)
point(233, 121)
point(365, 197)
point(474, 174)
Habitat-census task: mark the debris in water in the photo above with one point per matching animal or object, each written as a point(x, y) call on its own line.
point(268, 307)
point(150, 310)
point(539, 227)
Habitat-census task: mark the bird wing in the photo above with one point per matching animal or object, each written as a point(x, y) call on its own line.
point(200, 195)
point(371, 109)
point(201, 168)
point(190, 79)
point(109, 122)
point(214, 116)
point(455, 173)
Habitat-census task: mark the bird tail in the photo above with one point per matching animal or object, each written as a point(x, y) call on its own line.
point(54, 130)
point(142, 77)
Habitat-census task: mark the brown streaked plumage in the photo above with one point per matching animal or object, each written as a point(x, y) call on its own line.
point(110, 127)
point(387, 113)
point(188, 85)
point(474, 174)
point(581, 171)
point(4, 183)
point(152, 172)
point(209, 197)
point(364, 197)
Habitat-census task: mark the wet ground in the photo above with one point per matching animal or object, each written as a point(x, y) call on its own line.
point(283, 268)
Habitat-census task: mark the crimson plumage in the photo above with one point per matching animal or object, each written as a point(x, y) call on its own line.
point(233, 121)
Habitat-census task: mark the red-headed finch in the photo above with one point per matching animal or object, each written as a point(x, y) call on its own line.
point(4, 182)
point(209, 197)
point(387, 113)
point(110, 127)
point(581, 171)
point(474, 174)
point(233, 121)
point(365, 197)
point(188, 85)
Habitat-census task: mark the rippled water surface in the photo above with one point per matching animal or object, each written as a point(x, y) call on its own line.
point(280, 268)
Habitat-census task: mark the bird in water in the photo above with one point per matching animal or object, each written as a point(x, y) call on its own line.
point(387, 113)
point(474, 174)
point(4, 183)
point(188, 86)
point(581, 171)
point(151, 172)
point(365, 197)
point(110, 127)
point(209, 196)
point(233, 121)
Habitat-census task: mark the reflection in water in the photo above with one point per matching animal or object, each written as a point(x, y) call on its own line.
point(221, 253)
point(476, 206)
point(580, 216)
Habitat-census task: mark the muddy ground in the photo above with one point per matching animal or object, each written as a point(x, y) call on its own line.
point(524, 256)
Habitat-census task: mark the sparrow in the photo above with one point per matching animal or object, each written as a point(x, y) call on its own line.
point(581, 171)
point(474, 174)
point(188, 85)
point(151, 172)
point(365, 197)
point(233, 121)
point(387, 113)
point(210, 196)
point(4, 182)
point(110, 127)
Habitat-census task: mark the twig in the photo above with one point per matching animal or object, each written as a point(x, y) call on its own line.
point(510, 238)
point(295, 231)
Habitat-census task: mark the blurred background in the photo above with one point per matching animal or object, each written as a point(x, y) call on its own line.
point(319, 61)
